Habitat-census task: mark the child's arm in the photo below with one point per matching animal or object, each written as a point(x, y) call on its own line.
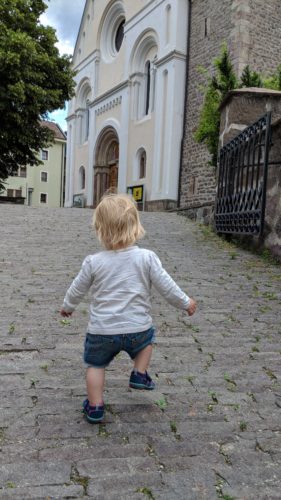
point(78, 288)
point(167, 287)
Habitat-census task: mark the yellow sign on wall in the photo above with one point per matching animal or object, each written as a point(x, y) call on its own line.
point(136, 192)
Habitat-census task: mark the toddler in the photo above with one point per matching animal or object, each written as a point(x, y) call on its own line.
point(120, 279)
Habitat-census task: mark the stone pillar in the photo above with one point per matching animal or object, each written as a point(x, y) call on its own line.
point(70, 153)
point(123, 141)
point(240, 36)
point(90, 168)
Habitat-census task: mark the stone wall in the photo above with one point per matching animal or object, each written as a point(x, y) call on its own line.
point(208, 29)
point(240, 109)
point(159, 205)
point(272, 233)
point(252, 31)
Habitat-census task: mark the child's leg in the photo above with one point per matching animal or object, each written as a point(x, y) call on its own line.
point(95, 383)
point(142, 359)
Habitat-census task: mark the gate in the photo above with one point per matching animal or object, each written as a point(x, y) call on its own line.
point(241, 195)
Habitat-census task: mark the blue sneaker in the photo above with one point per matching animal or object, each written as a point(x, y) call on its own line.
point(141, 381)
point(94, 414)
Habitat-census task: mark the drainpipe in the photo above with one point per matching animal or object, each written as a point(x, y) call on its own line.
point(185, 98)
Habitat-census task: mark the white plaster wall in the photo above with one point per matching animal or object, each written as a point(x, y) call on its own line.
point(110, 82)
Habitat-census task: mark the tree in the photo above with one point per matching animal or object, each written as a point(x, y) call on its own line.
point(34, 80)
point(250, 78)
point(218, 86)
point(273, 81)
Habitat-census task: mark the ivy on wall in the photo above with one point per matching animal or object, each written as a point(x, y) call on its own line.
point(219, 83)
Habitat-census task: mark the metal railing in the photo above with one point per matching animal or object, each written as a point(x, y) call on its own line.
point(241, 194)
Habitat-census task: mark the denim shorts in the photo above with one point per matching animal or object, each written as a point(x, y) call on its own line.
point(100, 350)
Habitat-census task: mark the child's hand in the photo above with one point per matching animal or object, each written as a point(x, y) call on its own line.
point(64, 313)
point(192, 307)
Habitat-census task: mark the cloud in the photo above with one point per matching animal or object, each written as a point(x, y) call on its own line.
point(65, 16)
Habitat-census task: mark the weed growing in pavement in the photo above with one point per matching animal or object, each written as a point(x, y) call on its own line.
point(219, 488)
point(269, 373)
point(65, 322)
point(150, 450)
point(190, 379)
point(11, 328)
point(161, 403)
point(147, 492)
point(102, 431)
point(2, 435)
point(252, 396)
point(265, 309)
point(231, 384)
point(255, 349)
point(173, 427)
point(270, 295)
point(243, 426)
point(213, 396)
point(225, 456)
point(81, 480)
point(10, 485)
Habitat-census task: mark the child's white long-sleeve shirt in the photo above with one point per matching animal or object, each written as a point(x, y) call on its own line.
point(120, 287)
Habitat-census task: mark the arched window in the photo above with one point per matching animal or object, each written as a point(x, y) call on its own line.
point(83, 113)
point(142, 164)
point(82, 178)
point(143, 67)
point(139, 165)
point(147, 87)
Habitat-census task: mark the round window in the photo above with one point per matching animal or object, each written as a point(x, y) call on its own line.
point(119, 36)
point(112, 32)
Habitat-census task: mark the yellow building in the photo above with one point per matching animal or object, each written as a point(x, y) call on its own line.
point(42, 185)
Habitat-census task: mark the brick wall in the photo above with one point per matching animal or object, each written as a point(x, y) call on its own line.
point(252, 30)
point(265, 35)
point(211, 23)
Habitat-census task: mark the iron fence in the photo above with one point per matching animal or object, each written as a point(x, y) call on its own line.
point(241, 194)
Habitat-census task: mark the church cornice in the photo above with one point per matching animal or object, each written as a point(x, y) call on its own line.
point(70, 117)
point(92, 57)
point(174, 54)
point(108, 105)
point(111, 93)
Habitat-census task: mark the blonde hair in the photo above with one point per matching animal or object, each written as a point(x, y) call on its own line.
point(116, 221)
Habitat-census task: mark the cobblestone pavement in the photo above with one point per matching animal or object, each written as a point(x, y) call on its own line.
point(211, 429)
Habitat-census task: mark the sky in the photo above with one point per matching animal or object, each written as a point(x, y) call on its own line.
point(65, 16)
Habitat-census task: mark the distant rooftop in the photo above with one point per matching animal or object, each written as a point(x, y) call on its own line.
point(59, 134)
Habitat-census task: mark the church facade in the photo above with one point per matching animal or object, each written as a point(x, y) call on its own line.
point(125, 123)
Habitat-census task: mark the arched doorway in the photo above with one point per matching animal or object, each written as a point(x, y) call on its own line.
point(106, 163)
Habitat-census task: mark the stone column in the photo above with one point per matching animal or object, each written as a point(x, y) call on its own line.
point(70, 153)
point(90, 168)
point(240, 37)
point(123, 141)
